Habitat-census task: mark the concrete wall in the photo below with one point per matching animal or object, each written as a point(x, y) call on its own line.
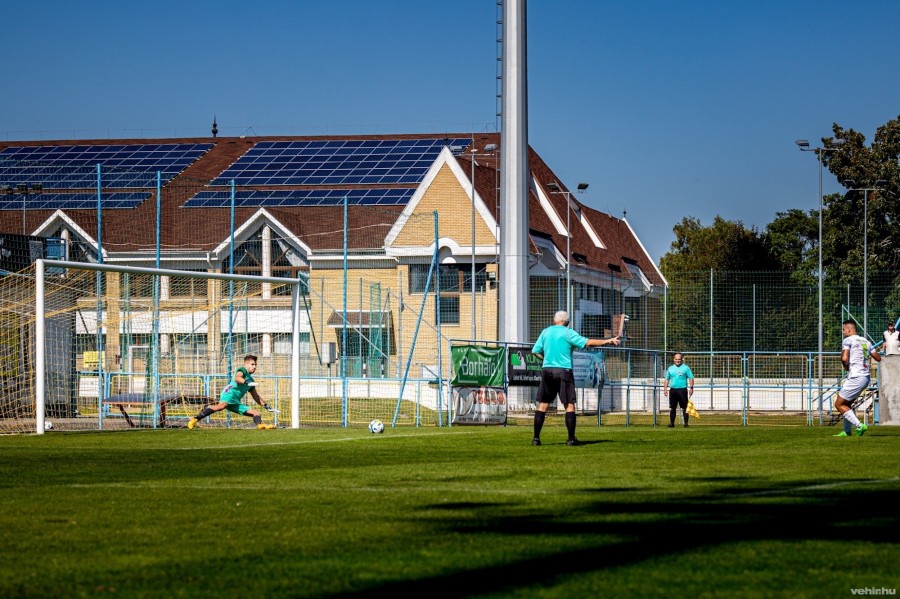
point(889, 393)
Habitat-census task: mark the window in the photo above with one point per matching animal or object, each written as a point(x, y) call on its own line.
point(247, 261)
point(638, 274)
point(86, 342)
point(454, 278)
point(243, 343)
point(288, 272)
point(449, 309)
point(286, 263)
point(187, 286)
point(449, 279)
point(191, 345)
point(480, 278)
point(127, 341)
point(418, 278)
point(281, 343)
point(137, 285)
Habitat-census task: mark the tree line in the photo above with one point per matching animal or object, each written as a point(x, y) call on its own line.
point(788, 249)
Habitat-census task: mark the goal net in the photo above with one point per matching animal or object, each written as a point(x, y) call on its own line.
point(88, 346)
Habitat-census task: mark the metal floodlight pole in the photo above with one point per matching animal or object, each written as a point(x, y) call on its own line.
point(878, 186)
point(821, 277)
point(803, 145)
point(555, 188)
point(581, 188)
point(488, 149)
point(568, 259)
point(8, 190)
point(472, 282)
point(24, 189)
point(568, 262)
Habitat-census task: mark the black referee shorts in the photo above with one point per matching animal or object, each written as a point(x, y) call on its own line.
point(678, 398)
point(557, 381)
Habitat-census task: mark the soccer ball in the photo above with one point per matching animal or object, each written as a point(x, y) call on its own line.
point(376, 426)
point(47, 425)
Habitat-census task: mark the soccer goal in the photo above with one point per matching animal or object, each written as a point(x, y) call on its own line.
point(96, 346)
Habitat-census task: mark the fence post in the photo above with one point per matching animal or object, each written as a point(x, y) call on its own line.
point(628, 393)
point(666, 318)
point(295, 354)
point(154, 331)
point(655, 386)
point(99, 291)
point(344, 390)
point(710, 329)
point(745, 400)
point(437, 318)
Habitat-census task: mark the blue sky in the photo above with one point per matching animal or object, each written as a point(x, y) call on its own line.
point(668, 109)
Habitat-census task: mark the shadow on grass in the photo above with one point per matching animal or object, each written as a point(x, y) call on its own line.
point(545, 443)
point(807, 511)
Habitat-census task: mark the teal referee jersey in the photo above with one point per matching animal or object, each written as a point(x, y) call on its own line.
point(678, 376)
point(556, 343)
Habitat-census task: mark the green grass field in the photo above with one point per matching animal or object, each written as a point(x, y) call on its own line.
point(634, 512)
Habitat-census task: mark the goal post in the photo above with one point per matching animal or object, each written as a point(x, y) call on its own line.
point(129, 306)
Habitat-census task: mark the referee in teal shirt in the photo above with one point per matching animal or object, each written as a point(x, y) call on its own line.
point(555, 345)
point(680, 380)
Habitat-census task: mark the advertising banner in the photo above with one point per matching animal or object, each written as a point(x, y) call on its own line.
point(477, 366)
point(523, 368)
point(478, 384)
point(479, 405)
point(588, 368)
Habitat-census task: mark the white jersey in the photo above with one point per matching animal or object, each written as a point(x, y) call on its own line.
point(891, 343)
point(859, 355)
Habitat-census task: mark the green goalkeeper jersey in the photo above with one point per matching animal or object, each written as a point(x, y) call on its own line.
point(235, 391)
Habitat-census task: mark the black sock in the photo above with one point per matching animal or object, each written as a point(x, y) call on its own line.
point(538, 423)
point(204, 413)
point(672, 416)
point(257, 419)
point(686, 418)
point(570, 424)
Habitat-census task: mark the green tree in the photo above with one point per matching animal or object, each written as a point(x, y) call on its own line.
point(848, 236)
point(713, 260)
point(738, 257)
point(864, 165)
point(793, 241)
point(724, 245)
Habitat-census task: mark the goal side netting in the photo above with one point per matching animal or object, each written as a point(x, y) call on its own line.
point(94, 346)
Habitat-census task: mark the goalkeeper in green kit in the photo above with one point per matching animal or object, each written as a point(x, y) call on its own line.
point(232, 395)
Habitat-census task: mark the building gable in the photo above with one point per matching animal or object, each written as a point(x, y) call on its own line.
point(447, 190)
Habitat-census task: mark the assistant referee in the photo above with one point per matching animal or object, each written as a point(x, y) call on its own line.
point(682, 386)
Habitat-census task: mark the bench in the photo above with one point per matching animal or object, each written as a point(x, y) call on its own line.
point(140, 402)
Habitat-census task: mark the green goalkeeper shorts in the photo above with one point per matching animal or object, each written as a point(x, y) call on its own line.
point(234, 404)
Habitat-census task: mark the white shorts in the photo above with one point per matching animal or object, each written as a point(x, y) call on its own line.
point(851, 388)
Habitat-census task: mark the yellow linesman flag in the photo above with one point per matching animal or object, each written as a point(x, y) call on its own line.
point(691, 410)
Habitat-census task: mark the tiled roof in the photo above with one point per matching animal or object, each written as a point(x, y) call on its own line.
point(321, 227)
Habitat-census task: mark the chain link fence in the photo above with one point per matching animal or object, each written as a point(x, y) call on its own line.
point(384, 294)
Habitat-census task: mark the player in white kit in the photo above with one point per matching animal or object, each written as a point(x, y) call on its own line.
point(855, 352)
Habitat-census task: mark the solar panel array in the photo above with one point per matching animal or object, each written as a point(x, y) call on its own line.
point(337, 162)
point(300, 197)
point(72, 201)
point(74, 167)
